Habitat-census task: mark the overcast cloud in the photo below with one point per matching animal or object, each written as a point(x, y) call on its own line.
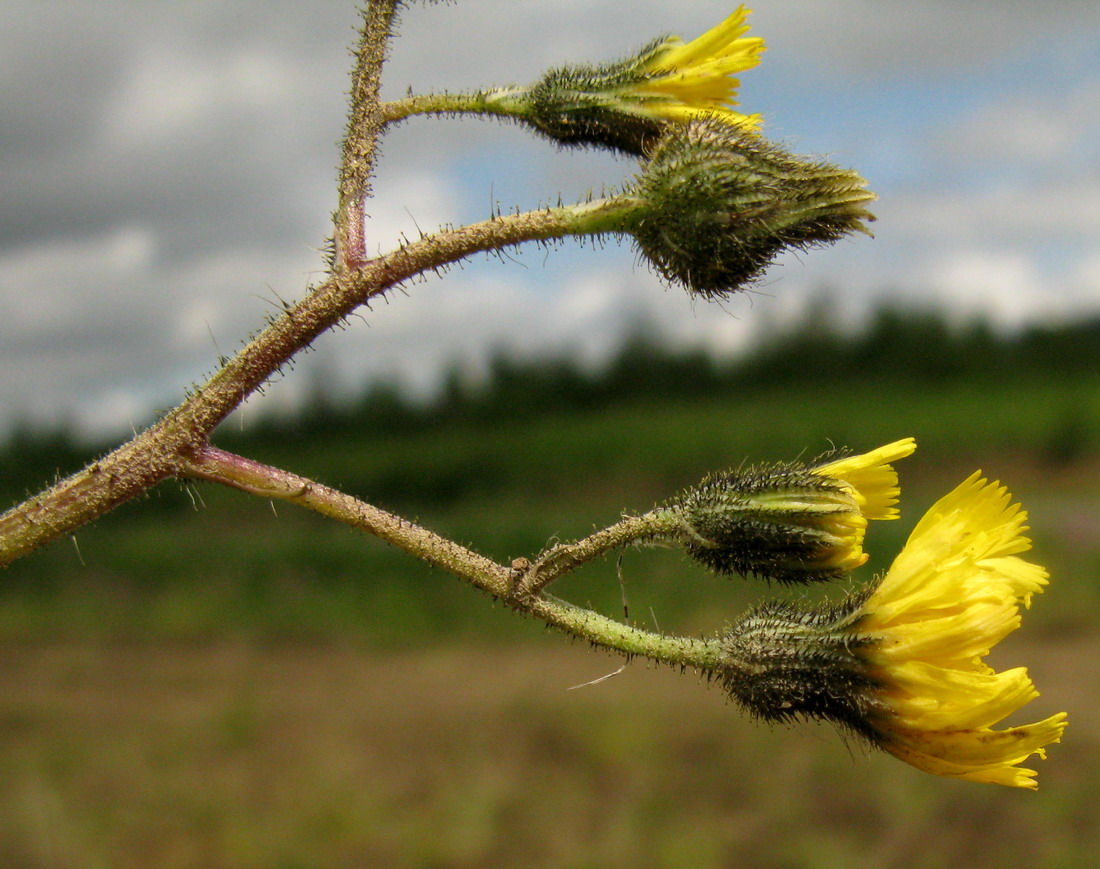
point(166, 173)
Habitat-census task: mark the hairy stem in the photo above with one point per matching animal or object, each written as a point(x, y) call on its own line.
point(500, 102)
point(365, 123)
point(704, 655)
point(655, 527)
point(158, 452)
point(217, 465)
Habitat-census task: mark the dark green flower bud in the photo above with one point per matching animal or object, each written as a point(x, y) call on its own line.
point(782, 523)
point(789, 522)
point(722, 204)
point(784, 663)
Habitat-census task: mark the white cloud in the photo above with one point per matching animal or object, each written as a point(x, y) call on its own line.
point(161, 97)
point(408, 199)
point(1013, 290)
point(1002, 284)
point(166, 92)
point(859, 40)
point(1036, 130)
point(505, 41)
point(1027, 214)
point(38, 295)
point(1006, 214)
point(167, 174)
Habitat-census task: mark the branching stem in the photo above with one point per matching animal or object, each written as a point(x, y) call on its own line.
point(652, 528)
point(158, 452)
point(501, 102)
point(178, 444)
point(506, 584)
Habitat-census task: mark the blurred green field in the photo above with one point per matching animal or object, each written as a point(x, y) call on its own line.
point(198, 561)
point(204, 679)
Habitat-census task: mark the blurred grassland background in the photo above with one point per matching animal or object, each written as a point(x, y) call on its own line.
point(207, 680)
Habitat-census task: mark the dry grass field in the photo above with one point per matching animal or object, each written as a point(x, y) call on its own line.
point(244, 754)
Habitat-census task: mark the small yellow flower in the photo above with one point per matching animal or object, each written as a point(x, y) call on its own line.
point(951, 595)
point(684, 81)
point(626, 104)
point(870, 478)
point(789, 522)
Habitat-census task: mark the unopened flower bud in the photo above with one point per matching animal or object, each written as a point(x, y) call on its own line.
point(722, 204)
point(785, 662)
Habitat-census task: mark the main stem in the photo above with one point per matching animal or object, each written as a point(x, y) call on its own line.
point(365, 124)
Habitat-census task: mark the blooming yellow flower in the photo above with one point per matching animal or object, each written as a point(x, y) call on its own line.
point(902, 664)
point(951, 595)
point(688, 80)
point(790, 523)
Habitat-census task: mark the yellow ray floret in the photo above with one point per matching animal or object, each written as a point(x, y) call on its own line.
point(871, 478)
point(951, 595)
point(686, 80)
point(872, 483)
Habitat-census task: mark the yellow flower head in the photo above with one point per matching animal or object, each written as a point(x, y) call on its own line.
point(684, 81)
point(790, 523)
point(902, 664)
point(626, 104)
point(951, 595)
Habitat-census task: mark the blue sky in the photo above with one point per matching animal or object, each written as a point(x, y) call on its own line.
point(167, 170)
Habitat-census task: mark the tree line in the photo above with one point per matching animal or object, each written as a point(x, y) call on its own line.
point(895, 344)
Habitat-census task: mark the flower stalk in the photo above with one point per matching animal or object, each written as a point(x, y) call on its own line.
point(624, 105)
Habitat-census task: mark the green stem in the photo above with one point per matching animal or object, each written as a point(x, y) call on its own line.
point(502, 102)
point(216, 465)
point(704, 655)
point(654, 527)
